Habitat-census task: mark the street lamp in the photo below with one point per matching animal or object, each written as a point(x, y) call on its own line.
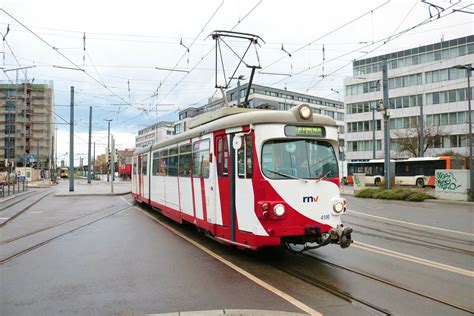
point(468, 69)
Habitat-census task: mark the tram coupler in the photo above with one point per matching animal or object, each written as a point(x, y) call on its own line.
point(341, 236)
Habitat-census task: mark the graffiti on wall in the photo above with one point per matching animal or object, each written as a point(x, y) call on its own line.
point(445, 180)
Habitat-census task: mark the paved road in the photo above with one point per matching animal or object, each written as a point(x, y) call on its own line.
point(102, 256)
point(425, 247)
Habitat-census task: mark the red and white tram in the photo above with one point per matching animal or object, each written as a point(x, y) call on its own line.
point(250, 178)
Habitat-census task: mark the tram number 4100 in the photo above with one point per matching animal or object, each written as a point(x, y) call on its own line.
point(325, 216)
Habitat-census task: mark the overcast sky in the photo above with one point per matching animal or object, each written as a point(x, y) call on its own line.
point(126, 40)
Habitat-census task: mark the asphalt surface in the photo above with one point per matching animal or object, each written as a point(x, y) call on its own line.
point(99, 255)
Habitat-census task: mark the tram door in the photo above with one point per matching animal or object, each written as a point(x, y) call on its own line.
point(139, 175)
point(223, 183)
point(244, 196)
point(234, 176)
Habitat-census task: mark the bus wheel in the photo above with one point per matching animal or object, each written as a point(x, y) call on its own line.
point(377, 182)
point(420, 183)
point(344, 181)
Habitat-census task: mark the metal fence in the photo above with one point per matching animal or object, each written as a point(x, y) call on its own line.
point(7, 188)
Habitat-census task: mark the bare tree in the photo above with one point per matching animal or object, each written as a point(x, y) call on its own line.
point(409, 139)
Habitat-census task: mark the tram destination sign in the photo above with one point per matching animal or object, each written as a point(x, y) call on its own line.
point(311, 131)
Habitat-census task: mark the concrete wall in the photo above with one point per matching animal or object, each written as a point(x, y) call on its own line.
point(452, 184)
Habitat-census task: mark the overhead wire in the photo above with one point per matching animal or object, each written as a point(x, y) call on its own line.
point(60, 53)
point(328, 33)
point(384, 41)
point(240, 20)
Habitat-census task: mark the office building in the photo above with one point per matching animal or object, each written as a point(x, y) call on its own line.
point(153, 134)
point(427, 101)
point(263, 97)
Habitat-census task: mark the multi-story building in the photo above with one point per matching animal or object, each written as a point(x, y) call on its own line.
point(263, 97)
point(154, 133)
point(26, 124)
point(427, 101)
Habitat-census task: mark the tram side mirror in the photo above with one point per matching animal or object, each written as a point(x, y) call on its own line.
point(237, 142)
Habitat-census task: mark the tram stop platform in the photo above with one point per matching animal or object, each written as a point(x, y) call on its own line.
point(96, 187)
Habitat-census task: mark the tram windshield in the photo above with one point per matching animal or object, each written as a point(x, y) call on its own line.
point(301, 159)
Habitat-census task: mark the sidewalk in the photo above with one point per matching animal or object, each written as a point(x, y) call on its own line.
point(82, 188)
point(349, 190)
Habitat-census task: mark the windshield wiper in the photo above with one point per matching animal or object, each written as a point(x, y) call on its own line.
point(324, 177)
point(285, 175)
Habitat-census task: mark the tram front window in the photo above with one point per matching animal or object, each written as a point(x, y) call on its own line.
point(304, 159)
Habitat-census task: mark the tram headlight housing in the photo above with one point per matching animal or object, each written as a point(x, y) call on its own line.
point(305, 112)
point(279, 210)
point(339, 206)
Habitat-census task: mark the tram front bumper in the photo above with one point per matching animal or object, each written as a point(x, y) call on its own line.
point(341, 236)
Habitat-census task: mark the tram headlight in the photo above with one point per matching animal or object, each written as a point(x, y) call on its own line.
point(279, 210)
point(338, 206)
point(305, 112)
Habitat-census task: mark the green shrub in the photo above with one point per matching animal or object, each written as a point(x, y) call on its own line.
point(398, 194)
point(418, 196)
point(367, 193)
point(401, 194)
point(386, 195)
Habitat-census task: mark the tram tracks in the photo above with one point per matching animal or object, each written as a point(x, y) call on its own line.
point(36, 231)
point(24, 209)
point(48, 240)
point(309, 269)
point(387, 282)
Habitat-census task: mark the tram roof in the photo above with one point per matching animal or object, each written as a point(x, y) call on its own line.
point(229, 117)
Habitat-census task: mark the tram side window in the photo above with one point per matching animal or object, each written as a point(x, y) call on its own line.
point(173, 162)
point(156, 163)
point(201, 152)
point(219, 156)
point(222, 157)
point(244, 158)
point(163, 171)
point(134, 166)
point(144, 164)
point(185, 161)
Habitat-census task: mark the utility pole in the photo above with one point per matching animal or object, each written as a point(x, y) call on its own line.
point(112, 165)
point(108, 145)
point(421, 141)
point(373, 133)
point(89, 160)
point(386, 121)
point(93, 160)
point(71, 143)
point(52, 169)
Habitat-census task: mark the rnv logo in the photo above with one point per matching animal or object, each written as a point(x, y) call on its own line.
point(310, 199)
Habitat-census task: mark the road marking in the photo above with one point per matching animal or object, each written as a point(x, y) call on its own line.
point(126, 200)
point(406, 257)
point(251, 277)
point(4, 218)
point(413, 224)
point(36, 212)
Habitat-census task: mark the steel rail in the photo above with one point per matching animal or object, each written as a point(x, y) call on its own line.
point(47, 241)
